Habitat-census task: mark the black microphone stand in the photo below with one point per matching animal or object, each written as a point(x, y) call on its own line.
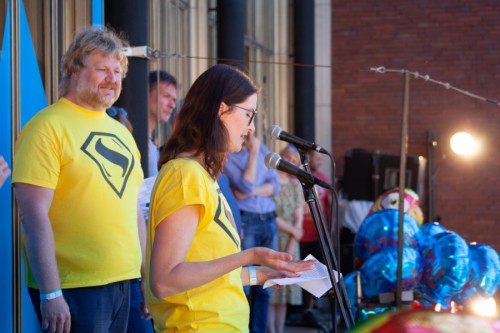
point(338, 291)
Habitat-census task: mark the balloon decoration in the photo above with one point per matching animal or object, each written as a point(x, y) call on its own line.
point(380, 230)
point(365, 312)
point(390, 200)
point(438, 264)
point(446, 264)
point(378, 274)
point(427, 231)
point(484, 278)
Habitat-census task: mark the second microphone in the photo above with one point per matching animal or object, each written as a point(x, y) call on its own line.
point(274, 161)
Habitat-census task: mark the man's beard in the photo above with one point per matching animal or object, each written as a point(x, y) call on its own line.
point(95, 99)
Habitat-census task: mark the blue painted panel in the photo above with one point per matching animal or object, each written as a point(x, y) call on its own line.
point(97, 12)
point(32, 100)
point(5, 191)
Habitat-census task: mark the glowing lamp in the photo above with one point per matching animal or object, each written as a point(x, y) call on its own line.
point(484, 307)
point(462, 143)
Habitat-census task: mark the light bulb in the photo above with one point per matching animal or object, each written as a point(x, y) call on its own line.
point(462, 143)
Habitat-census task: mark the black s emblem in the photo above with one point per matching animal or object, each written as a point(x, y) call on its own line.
point(112, 156)
point(221, 209)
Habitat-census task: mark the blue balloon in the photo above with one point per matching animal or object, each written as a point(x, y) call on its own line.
point(421, 292)
point(380, 230)
point(365, 313)
point(428, 299)
point(446, 265)
point(379, 272)
point(484, 278)
point(427, 231)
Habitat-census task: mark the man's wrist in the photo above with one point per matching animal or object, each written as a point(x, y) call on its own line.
point(50, 295)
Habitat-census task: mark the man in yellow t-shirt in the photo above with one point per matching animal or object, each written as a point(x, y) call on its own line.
point(77, 176)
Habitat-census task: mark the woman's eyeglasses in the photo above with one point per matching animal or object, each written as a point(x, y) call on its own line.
point(252, 111)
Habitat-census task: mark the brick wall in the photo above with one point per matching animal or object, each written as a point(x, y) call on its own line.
point(452, 41)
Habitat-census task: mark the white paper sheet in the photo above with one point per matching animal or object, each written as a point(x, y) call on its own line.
point(316, 281)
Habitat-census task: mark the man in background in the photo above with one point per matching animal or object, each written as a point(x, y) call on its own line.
point(162, 101)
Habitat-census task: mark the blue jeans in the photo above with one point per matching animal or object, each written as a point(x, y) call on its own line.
point(100, 309)
point(136, 324)
point(258, 232)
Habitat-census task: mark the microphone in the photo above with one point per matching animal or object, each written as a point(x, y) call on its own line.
point(277, 133)
point(274, 161)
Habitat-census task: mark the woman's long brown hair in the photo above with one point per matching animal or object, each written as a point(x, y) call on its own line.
point(197, 126)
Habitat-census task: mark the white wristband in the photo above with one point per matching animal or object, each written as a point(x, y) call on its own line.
point(48, 296)
point(253, 275)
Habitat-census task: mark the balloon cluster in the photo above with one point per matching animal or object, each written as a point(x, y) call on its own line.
point(438, 263)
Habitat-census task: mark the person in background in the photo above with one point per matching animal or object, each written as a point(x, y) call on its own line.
point(120, 115)
point(77, 176)
point(309, 243)
point(289, 207)
point(254, 186)
point(194, 262)
point(4, 170)
point(162, 99)
point(231, 200)
point(139, 320)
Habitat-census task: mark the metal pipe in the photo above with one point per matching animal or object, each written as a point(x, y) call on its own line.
point(231, 32)
point(15, 42)
point(431, 179)
point(54, 51)
point(402, 185)
point(131, 17)
point(303, 35)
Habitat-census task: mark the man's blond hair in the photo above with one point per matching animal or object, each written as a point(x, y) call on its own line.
point(85, 42)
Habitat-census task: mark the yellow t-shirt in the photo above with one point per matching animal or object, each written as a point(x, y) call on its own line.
point(220, 305)
point(92, 163)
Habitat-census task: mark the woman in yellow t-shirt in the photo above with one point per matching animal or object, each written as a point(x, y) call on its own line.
point(196, 270)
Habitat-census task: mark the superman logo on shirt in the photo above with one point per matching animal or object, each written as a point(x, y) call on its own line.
point(112, 156)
